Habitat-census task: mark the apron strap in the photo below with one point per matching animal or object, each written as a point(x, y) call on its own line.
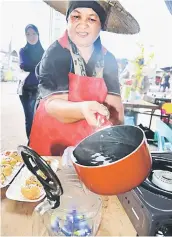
point(79, 66)
point(78, 63)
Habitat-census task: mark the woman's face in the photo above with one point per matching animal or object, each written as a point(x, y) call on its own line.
point(31, 36)
point(83, 26)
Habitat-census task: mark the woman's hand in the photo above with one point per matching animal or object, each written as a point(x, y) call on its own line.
point(66, 111)
point(89, 110)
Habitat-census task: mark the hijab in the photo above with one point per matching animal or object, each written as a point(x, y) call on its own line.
point(33, 52)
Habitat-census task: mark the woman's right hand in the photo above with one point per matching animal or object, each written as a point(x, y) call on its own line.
point(89, 110)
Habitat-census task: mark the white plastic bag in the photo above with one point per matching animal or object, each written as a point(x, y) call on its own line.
point(21, 76)
point(66, 157)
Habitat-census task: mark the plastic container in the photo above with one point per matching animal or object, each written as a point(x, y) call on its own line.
point(79, 213)
point(69, 208)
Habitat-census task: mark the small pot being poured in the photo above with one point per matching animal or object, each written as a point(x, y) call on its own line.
point(113, 160)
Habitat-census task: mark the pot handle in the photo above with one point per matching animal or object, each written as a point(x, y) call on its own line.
point(49, 179)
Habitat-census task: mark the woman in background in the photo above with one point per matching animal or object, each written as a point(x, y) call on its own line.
point(30, 56)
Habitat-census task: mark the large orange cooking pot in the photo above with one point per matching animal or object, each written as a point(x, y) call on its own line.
point(113, 160)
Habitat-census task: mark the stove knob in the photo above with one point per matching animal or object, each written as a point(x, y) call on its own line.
point(164, 231)
point(159, 234)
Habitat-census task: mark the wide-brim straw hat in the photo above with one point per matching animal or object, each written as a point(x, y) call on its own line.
point(169, 5)
point(118, 19)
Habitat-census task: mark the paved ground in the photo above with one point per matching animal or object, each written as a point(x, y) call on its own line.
point(12, 117)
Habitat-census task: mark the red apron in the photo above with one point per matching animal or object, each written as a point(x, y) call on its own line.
point(49, 136)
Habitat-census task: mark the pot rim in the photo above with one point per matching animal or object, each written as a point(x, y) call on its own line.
point(125, 157)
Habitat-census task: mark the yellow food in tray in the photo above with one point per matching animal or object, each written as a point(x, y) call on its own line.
point(31, 191)
point(32, 188)
point(33, 180)
point(16, 156)
point(10, 163)
point(6, 169)
point(7, 153)
point(2, 178)
point(8, 160)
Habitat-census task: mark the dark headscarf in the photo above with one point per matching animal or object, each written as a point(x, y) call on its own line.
point(34, 52)
point(102, 15)
point(88, 4)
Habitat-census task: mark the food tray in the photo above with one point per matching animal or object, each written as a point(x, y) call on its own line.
point(14, 191)
point(15, 170)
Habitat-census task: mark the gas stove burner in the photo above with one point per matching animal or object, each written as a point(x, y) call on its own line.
point(149, 206)
point(158, 182)
point(162, 179)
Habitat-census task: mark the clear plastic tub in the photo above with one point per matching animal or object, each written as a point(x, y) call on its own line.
point(79, 213)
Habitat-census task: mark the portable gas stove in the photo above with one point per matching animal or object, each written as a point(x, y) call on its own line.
point(149, 206)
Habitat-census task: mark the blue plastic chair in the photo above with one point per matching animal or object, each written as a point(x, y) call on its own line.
point(164, 136)
point(129, 120)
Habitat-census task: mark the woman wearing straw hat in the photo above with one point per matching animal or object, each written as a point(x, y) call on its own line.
point(79, 77)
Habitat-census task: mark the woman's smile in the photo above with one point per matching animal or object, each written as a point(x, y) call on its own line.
point(82, 34)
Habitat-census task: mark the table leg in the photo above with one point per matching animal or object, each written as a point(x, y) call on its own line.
point(151, 118)
point(135, 118)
